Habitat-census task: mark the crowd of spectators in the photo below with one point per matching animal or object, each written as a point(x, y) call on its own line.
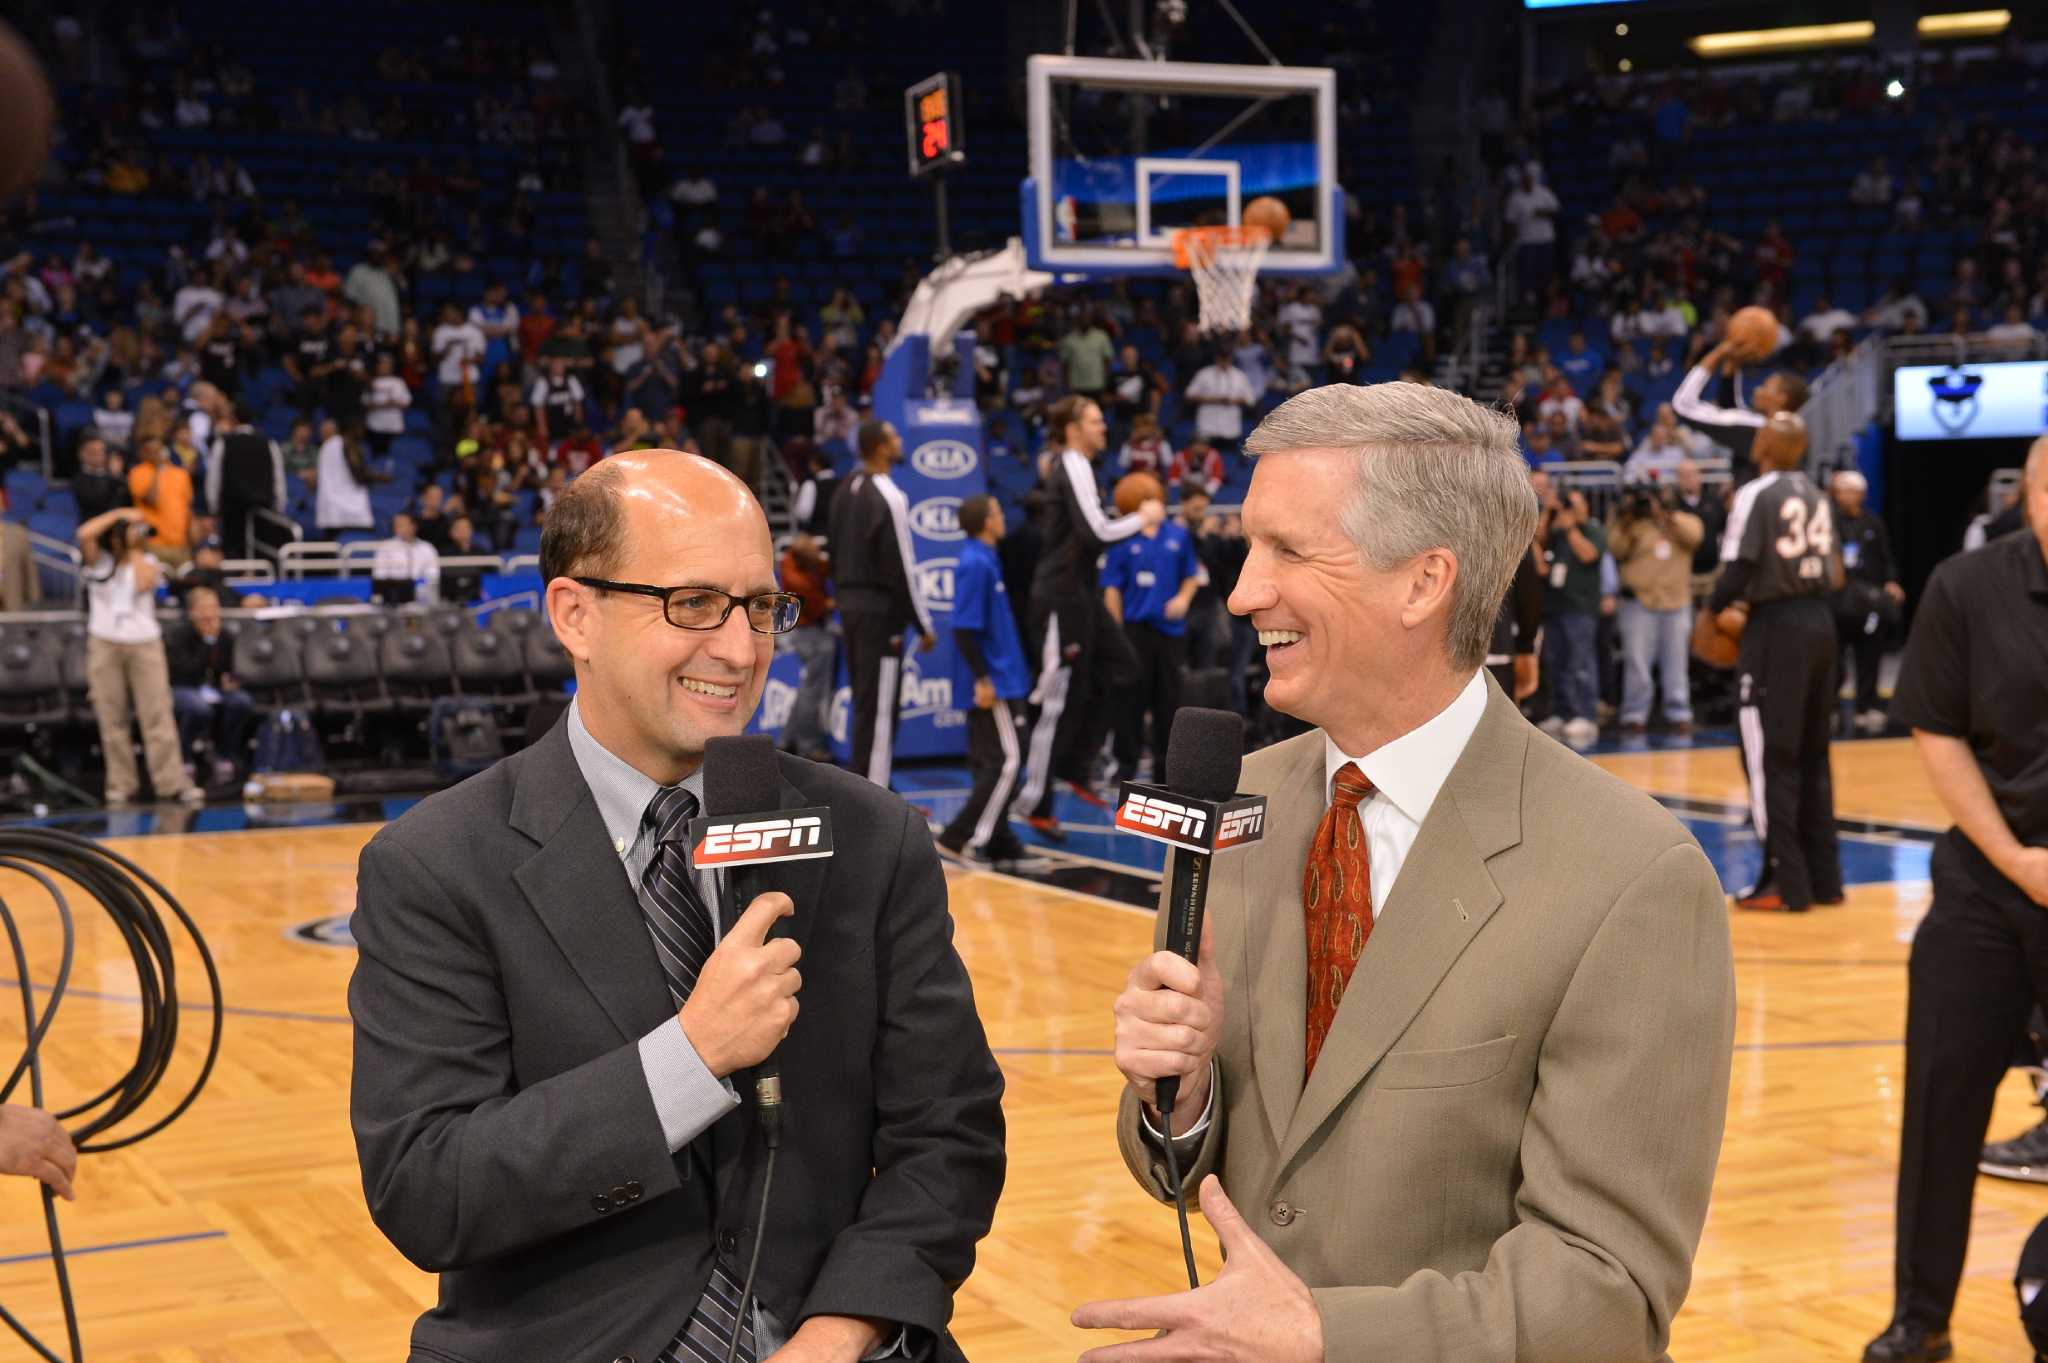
point(406, 391)
point(1622, 293)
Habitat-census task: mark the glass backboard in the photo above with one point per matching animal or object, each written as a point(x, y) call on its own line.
point(1123, 153)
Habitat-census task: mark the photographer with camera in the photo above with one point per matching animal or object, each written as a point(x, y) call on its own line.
point(125, 669)
point(1573, 542)
point(1652, 543)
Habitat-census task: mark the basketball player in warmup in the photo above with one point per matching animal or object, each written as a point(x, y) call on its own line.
point(1083, 655)
point(874, 576)
point(1780, 563)
point(1735, 426)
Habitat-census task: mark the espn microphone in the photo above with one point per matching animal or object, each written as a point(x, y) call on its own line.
point(744, 832)
point(1198, 812)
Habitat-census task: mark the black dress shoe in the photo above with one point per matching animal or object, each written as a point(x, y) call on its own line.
point(1908, 1343)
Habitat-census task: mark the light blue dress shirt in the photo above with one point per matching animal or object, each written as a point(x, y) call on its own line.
point(688, 1098)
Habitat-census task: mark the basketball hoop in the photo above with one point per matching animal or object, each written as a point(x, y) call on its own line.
point(1225, 263)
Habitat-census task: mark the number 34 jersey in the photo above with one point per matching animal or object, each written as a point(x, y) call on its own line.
point(1784, 528)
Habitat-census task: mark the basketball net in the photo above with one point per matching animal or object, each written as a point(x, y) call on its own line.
point(1225, 263)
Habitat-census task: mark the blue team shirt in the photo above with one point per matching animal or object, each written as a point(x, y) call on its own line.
point(1584, 369)
point(1148, 572)
point(982, 604)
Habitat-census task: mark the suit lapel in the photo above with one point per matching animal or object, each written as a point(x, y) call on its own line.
point(578, 887)
point(1442, 898)
point(1278, 945)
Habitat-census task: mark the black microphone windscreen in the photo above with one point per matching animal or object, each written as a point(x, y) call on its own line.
point(740, 775)
point(1204, 752)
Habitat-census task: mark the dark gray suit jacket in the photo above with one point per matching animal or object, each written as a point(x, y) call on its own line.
point(507, 1138)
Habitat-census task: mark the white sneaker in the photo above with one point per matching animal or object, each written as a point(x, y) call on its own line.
point(1552, 726)
point(1871, 721)
point(1582, 733)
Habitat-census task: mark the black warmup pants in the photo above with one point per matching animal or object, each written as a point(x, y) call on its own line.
point(1161, 660)
point(1785, 680)
point(1084, 660)
point(996, 738)
point(1864, 632)
point(875, 671)
point(233, 514)
point(1979, 966)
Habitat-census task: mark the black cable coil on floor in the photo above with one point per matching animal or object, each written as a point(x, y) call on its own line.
point(125, 891)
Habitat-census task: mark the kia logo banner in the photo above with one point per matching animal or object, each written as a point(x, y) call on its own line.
point(944, 459)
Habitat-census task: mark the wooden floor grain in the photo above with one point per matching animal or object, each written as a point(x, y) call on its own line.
point(247, 1239)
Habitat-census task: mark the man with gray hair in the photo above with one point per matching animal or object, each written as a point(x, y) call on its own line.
point(1458, 1038)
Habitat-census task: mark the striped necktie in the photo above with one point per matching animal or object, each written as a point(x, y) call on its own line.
point(683, 932)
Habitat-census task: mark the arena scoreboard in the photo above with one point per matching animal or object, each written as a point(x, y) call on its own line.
point(931, 114)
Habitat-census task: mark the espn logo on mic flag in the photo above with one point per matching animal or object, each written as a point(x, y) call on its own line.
point(1185, 822)
point(756, 840)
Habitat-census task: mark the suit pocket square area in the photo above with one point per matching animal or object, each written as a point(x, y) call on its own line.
point(1450, 1069)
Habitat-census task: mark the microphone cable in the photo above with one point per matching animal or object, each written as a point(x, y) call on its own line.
point(134, 900)
point(1165, 1103)
point(768, 1112)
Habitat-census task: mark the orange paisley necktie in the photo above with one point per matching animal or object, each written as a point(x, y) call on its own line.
point(1336, 901)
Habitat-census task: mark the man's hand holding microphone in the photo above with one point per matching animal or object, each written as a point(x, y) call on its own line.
point(744, 1001)
point(1169, 1020)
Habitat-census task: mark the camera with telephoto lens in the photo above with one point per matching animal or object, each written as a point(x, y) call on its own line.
point(1643, 500)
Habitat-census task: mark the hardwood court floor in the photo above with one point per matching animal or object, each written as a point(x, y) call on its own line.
point(239, 1235)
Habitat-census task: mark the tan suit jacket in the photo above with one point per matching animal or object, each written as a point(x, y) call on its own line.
point(1506, 1148)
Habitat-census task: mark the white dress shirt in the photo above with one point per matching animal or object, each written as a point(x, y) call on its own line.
point(402, 561)
point(1406, 775)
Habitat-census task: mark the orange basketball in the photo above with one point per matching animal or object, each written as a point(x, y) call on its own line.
point(1713, 641)
point(1269, 213)
point(1133, 490)
point(1754, 332)
point(26, 113)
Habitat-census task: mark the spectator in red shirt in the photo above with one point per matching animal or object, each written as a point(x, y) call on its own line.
point(1773, 258)
point(1200, 461)
point(577, 451)
point(536, 324)
point(1406, 270)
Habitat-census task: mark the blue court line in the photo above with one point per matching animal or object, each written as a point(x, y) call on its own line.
point(71, 1253)
point(270, 1014)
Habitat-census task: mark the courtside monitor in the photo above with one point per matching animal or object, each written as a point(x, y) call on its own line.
point(1998, 401)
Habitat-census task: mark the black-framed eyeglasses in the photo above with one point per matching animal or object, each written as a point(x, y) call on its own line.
point(707, 607)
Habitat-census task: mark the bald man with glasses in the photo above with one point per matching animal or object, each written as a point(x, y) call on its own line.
point(555, 1020)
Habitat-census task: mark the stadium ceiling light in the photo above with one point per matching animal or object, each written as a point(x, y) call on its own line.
point(1750, 42)
point(1976, 23)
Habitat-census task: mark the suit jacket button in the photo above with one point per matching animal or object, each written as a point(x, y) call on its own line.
point(601, 1203)
point(623, 1358)
point(633, 1191)
point(728, 1242)
point(1283, 1213)
point(620, 1197)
